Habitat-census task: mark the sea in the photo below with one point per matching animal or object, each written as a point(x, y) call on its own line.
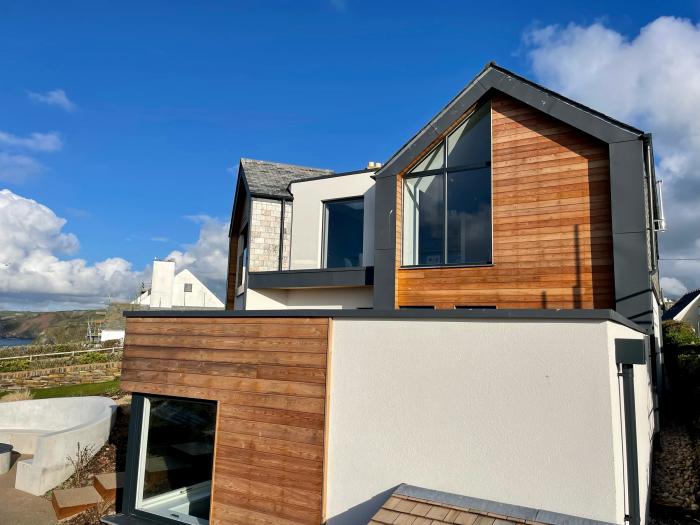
point(14, 341)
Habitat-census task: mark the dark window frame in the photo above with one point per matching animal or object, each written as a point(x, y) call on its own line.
point(443, 173)
point(324, 229)
point(133, 456)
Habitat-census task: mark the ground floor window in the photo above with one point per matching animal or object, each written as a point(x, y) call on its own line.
point(175, 459)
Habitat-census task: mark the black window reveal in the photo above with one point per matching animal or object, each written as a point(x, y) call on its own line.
point(447, 199)
point(343, 233)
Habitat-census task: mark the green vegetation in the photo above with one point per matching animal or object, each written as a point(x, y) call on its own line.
point(93, 357)
point(15, 365)
point(678, 333)
point(88, 389)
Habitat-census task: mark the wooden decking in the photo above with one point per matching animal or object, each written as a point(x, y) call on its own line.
point(269, 378)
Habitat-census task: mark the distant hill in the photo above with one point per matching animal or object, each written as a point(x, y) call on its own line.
point(57, 327)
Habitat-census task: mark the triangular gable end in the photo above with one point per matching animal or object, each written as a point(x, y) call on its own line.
point(496, 78)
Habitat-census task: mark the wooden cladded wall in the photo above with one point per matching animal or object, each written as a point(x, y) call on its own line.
point(552, 233)
point(269, 378)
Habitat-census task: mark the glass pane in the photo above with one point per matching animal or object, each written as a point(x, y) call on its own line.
point(424, 219)
point(344, 222)
point(470, 143)
point(432, 161)
point(176, 463)
point(469, 217)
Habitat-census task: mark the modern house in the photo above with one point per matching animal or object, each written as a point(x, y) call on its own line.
point(171, 290)
point(467, 332)
point(686, 309)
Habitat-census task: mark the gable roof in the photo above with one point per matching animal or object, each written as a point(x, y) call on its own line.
point(494, 77)
point(680, 305)
point(419, 506)
point(271, 179)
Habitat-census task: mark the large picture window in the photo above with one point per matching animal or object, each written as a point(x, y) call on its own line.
point(343, 233)
point(447, 199)
point(176, 459)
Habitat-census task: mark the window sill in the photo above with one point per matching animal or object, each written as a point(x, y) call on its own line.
point(437, 266)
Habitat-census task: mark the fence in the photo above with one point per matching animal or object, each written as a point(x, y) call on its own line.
point(71, 353)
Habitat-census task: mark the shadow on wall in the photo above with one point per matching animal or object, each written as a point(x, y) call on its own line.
point(362, 513)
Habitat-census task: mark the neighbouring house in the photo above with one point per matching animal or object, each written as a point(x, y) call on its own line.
point(171, 290)
point(469, 330)
point(685, 309)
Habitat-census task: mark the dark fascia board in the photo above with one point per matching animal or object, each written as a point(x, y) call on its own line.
point(312, 278)
point(240, 180)
point(497, 78)
point(485, 314)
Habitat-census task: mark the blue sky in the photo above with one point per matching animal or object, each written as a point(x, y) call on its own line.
point(168, 95)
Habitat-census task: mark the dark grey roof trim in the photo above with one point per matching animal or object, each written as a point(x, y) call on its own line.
point(332, 175)
point(494, 77)
point(504, 314)
point(312, 278)
point(504, 509)
point(680, 304)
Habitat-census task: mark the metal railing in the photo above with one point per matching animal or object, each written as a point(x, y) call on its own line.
point(30, 357)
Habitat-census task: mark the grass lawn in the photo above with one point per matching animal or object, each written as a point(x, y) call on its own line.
point(88, 389)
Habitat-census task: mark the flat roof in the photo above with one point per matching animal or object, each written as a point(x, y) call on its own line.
point(510, 314)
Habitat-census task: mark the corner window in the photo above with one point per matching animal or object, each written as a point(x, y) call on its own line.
point(343, 233)
point(447, 199)
point(176, 459)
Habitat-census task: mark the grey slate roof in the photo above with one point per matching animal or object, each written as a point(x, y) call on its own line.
point(679, 305)
point(271, 179)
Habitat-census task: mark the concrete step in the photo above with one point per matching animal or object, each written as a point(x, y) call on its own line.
point(68, 502)
point(108, 484)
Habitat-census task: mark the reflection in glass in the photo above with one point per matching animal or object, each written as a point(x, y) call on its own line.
point(423, 227)
point(469, 217)
point(470, 143)
point(176, 459)
point(343, 233)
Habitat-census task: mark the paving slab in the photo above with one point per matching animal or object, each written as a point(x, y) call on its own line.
point(21, 508)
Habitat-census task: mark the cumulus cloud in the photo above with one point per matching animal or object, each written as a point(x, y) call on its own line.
point(47, 142)
point(16, 168)
point(208, 257)
point(56, 97)
point(34, 275)
point(651, 80)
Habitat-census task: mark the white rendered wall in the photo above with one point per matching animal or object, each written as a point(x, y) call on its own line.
point(200, 296)
point(162, 284)
point(309, 298)
point(689, 314)
point(307, 215)
point(525, 413)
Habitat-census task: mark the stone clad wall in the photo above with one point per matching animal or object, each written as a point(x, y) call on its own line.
point(265, 235)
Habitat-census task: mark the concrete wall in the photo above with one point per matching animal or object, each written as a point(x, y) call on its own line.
point(307, 215)
point(525, 413)
point(309, 298)
point(51, 429)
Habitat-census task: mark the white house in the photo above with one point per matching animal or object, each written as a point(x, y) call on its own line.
point(170, 290)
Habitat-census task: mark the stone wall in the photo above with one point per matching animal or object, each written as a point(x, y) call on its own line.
point(62, 375)
point(265, 235)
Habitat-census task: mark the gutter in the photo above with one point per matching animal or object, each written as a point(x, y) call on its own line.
point(630, 352)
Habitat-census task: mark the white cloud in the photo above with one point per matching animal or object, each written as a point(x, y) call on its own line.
point(56, 97)
point(16, 168)
point(46, 142)
point(32, 274)
point(673, 287)
point(653, 82)
point(208, 257)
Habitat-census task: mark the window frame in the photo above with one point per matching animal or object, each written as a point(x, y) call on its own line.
point(242, 256)
point(444, 172)
point(324, 230)
point(136, 446)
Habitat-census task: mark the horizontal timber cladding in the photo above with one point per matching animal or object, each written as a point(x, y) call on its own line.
point(552, 233)
point(269, 378)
